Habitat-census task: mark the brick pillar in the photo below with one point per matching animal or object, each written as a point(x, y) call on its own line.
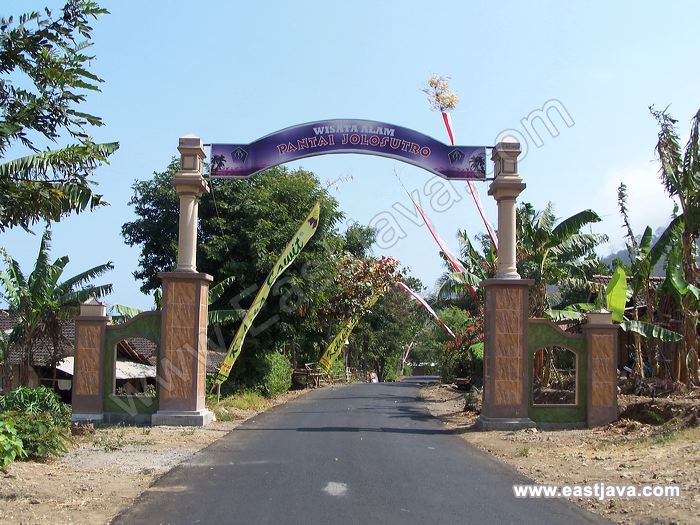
point(601, 340)
point(505, 396)
point(183, 353)
point(88, 364)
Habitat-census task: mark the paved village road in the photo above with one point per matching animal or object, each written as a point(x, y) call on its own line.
point(358, 454)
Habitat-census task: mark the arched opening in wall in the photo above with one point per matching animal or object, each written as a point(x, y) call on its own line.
point(555, 383)
point(135, 367)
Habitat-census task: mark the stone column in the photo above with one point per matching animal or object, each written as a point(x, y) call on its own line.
point(183, 353)
point(505, 188)
point(601, 341)
point(505, 396)
point(88, 362)
point(190, 186)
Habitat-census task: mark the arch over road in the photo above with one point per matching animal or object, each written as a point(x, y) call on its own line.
point(349, 136)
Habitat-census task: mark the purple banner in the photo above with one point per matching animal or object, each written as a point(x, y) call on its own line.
point(348, 136)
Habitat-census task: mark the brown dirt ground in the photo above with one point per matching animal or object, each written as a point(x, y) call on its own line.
point(104, 472)
point(627, 452)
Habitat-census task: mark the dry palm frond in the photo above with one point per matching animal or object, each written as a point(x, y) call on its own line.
point(440, 96)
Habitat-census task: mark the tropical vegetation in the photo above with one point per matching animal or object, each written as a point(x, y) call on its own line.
point(44, 78)
point(41, 301)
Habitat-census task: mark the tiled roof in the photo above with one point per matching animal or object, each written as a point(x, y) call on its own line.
point(139, 349)
point(43, 350)
point(133, 348)
point(654, 280)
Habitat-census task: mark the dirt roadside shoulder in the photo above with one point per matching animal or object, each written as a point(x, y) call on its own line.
point(623, 453)
point(106, 471)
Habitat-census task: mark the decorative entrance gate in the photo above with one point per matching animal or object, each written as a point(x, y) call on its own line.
point(182, 321)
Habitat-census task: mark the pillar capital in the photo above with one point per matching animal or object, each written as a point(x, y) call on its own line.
point(189, 180)
point(507, 183)
point(190, 184)
point(600, 319)
point(505, 157)
point(191, 154)
point(93, 309)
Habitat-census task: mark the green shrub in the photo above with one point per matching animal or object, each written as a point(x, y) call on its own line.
point(390, 373)
point(41, 435)
point(38, 400)
point(276, 376)
point(338, 369)
point(407, 370)
point(11, 446)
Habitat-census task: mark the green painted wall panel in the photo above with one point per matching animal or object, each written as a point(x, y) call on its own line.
point(543, 334)
point(146, 325)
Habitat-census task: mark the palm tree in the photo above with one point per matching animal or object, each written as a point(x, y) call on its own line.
point(680, 175)
point(40, 302)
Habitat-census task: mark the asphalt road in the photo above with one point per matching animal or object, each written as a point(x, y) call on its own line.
point(359, 454)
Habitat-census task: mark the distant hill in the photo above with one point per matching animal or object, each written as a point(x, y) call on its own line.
point(659, 269)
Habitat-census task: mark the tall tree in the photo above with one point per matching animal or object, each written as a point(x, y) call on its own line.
point(44, 77)
point(243, 226)
point(680, 175)
point(41, 301)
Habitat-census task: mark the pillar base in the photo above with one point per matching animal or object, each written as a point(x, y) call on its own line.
point(87, 418)
point(175, 418)
point(504, 423)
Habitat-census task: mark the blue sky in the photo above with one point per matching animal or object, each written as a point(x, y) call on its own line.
point(234, 71)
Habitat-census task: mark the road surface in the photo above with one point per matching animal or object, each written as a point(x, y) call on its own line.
point(358, 454)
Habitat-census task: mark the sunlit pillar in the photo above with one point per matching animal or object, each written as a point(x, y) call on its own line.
point(190, 186)
point(505, 188)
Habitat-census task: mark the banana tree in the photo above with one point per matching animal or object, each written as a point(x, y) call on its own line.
point(680, 175)
point(617, 294)
point(684, 293)
point(644, 256)
point(453, 286)
point(40, 302)
point(551, 252)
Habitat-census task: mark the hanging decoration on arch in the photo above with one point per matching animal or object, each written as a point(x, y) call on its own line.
point(349, 136)
point(441, 98)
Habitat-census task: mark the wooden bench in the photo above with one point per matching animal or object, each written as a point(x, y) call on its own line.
point(311, 374)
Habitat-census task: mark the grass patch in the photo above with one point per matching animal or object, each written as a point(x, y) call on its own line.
point(110, 440)
point(229, 408)
point(522, 452)
point(666, 436)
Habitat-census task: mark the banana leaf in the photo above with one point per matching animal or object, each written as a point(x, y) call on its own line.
point(616, 294)
point(649, 330)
